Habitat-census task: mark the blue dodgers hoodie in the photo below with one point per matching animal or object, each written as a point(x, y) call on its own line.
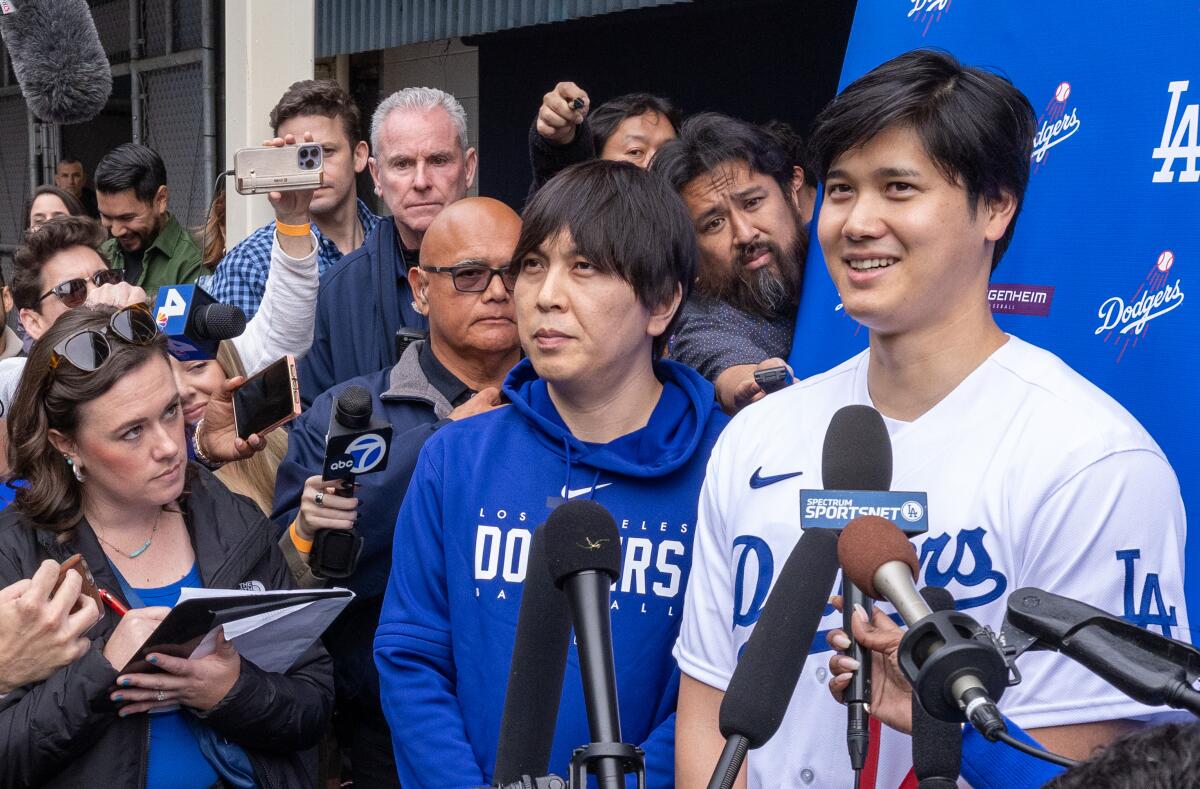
point(449, 619)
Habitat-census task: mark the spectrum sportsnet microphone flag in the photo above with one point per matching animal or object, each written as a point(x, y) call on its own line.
point(833, 509)
point(1106, 246)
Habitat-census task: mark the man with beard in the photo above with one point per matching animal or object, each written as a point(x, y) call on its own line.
point(736, 181)
point(147, 242)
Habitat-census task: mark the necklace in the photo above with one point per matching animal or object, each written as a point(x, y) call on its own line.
point(144, 546)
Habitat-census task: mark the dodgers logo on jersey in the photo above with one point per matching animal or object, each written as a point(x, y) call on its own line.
point(1055, 124)
point(1124, 323)
point(927, 12)
point(1179, 138)
point(367, 451)
point(1147, 609)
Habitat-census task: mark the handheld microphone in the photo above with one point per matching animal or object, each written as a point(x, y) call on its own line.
point(956, 676)
point(936, 745)
point(1145, 666)
point(856, 455)
point(195, 323)
point(58, 59)
point(762, 685)
point(355, 443)
point(535, 677)
point(583, 554)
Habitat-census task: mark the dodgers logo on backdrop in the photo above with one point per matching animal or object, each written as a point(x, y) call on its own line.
point(366, 451)
point(1055, 124)
point(927, 12)
point(1124, 323)
point(1180, 138)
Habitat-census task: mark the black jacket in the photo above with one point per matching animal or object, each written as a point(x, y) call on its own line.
point(549, 159)
point(65, 732)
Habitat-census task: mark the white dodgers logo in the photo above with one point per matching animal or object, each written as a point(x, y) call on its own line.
point(927, 12)
point(1056, 125)
point(1179, 139)
point(366, 451)
point(1126, 321)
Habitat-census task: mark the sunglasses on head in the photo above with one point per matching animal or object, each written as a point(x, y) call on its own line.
point(475, 276)
point(73, 292)
point(88, 349)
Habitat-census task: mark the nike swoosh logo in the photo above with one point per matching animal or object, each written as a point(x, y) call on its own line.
point(572, 494)
point(758, 481)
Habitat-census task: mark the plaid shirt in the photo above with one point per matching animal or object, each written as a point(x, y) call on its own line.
point(241, 276)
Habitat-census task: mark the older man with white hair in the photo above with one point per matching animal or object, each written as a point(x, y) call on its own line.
point(420, 164)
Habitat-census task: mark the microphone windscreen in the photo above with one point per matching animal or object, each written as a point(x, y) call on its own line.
point(765, 678)
point(58, 59)
point(857, 453)
point(535, 677)
point(219, 321)
point(869, 542)
point(582, 535)
point(353, 406)
point(936, 744)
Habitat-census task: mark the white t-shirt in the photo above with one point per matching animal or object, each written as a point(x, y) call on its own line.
point(1035, 478)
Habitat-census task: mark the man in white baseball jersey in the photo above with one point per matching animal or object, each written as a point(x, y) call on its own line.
point(1035, 477)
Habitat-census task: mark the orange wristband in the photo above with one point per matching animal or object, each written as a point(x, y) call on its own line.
point(300, 231)
point(302, 545)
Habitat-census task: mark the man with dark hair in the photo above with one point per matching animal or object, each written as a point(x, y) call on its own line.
point(804, 180)
point(738, 185)
point(340, 220)
point(147, 242)
point(566, 131)
point(606, 256)
point(70, 177)
point(1039, 478)
point(1160, 757)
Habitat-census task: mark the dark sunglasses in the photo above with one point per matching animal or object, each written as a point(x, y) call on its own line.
point(88, 349)
point(73, 292)
point(474, 277)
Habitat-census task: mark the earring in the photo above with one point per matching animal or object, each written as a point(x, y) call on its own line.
point(80, 476)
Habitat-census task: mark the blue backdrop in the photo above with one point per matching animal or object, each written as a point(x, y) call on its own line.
point(1110, 231)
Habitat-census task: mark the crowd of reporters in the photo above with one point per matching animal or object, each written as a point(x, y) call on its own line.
point(610, 330)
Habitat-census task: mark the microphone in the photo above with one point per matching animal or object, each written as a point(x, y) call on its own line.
point(58, 59)
point(857, 455)
point(1145, 666)
point(195, 323)
point(583, 555)
point(355, 443)
point(535, 677)
point(762, 685)
point(936, 745)
point(956, 677)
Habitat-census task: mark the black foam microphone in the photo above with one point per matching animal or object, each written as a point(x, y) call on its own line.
point(762, 685)
point(936, 745)
point(583, 554)
point(58, 59)
point(856, 455)
point(535, 677)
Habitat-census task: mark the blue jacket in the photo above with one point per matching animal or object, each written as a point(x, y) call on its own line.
point(448, 624)
point(361, 303)
point(414, 408)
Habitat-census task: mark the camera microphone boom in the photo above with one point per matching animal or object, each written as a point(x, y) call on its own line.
point(764, 681)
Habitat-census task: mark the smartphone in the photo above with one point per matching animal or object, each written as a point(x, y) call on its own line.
point(772, 379)
point(78, 564)
point(268, 399)
point(270, 169)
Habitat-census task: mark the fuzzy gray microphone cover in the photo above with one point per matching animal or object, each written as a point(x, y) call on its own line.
point(58, 59)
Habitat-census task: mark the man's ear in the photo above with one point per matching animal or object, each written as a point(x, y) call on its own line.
point(35, 325)
point(362, 152)
point(160, 200)
point(998, 215)
point(373, 166)
point(418, 283)
point(62, 442)
point(661, 316)
point(471, 162)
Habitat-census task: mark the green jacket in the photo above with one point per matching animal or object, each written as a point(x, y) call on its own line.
point(173, 258)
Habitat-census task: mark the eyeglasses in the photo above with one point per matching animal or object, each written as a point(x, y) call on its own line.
point(73, 292)
point(473, 276)
point(88, 349)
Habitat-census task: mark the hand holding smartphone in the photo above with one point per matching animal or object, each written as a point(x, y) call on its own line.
point(773, 379)
point(268, 399)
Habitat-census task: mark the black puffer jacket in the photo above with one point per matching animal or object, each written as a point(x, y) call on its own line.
point(65, 732)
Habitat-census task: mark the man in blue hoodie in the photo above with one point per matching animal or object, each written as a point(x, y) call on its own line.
point(606, 256)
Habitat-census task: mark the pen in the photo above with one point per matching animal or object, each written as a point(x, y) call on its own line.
point(112, 602)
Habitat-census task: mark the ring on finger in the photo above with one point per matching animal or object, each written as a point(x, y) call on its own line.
point(319, 498)
point(160, 695)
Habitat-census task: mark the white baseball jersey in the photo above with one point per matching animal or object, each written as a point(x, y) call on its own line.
point(1035, 478)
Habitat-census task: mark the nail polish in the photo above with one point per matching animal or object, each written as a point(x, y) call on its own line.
point(126, 682)
point(118, 697)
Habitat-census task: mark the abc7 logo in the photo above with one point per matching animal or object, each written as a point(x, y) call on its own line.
point(363, 455)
